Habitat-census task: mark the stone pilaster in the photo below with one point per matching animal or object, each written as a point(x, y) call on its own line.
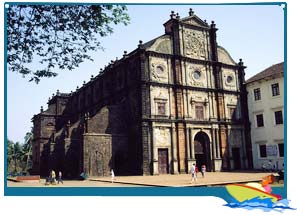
point(224, 147)
point(146, 149)
point(174, 149)
point(181, 147)
point(245, 115)
point(213, 41)
point(191, 143)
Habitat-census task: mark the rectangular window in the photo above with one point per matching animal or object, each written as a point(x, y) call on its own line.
point(271, 150)
point(257, 94)
point(199, 110)
point(263, 151)
point(161, 108)
point(281, 149)
point(275, 89)
point(278, 115)
point(232, 112)
point(260, 120)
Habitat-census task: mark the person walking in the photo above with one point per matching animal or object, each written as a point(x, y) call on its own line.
point(53, 177)
point(193, 172)
point(60, 177)
point(112, 176)
point(203, 170)
point(196, 170)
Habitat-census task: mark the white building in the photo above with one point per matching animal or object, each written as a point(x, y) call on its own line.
point(266, 115)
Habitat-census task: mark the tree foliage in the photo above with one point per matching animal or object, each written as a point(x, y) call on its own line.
point(58, 35)
point(14, 155)
point(19, 155)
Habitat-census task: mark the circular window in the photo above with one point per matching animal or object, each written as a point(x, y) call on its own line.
point(159, 69)
point(229, 79)
point(197, 74)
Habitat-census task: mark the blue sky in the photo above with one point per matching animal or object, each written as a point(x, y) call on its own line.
point(254, 33)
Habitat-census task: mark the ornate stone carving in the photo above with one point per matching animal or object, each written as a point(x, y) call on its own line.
point(160, 96)
point(196, 76)
point(193, 22)
point(194, 44)
point(159, 71)
point(231, 100)
point(196, 99)
point(162, 136)
point(229, 79)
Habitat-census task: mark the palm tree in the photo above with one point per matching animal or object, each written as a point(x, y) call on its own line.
point(10, 146)
point(16, 154)
point(27, 150)
point(20, 154)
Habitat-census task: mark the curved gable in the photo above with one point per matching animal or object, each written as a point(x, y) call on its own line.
point(224, 56)
point(162, 45)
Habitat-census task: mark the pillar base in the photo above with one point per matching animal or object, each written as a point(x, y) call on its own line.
point(217, 165)
point(155, 167)
point(175, 167)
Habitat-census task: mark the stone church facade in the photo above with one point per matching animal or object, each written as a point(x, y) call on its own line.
point(176, 100)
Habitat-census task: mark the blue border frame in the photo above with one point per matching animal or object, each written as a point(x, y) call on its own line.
point(135, 191)
point(145, 3)
point(285, 95)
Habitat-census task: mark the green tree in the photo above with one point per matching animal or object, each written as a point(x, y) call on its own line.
point(19, 156)
point(10, 145)
point(58, 36)
point(26, 156)
point(16, 156)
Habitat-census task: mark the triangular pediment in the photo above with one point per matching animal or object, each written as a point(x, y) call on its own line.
point(195, 20)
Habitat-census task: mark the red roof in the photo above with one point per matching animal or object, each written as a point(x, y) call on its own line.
point(270, 71)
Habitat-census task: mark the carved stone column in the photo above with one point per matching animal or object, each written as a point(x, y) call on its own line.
point(146, 148)
point(191, 151)
point(191, 144)
point(174, 149)
point(224, 147)
point(181, 147)
point(154, 152)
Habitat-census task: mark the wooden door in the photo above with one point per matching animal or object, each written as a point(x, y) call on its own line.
point(163, 161)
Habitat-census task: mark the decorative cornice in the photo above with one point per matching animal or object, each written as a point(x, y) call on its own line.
point(179, 86)
point(191, 60)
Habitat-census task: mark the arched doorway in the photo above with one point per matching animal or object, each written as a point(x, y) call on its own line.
point(202, 150)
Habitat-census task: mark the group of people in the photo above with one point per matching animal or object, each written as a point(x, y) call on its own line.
point(52, 178)
point(195, 171)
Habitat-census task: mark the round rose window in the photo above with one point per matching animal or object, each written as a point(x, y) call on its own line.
point(159, 69)
point(229, 79)
point(197, 74)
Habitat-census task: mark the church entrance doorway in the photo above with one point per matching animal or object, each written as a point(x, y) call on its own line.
point(202, 150)
point(163, 161)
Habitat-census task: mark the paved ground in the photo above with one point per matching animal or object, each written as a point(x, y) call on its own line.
point(181, 180)
point(68, 183)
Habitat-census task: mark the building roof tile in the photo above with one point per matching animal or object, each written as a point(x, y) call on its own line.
point(270, 71)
